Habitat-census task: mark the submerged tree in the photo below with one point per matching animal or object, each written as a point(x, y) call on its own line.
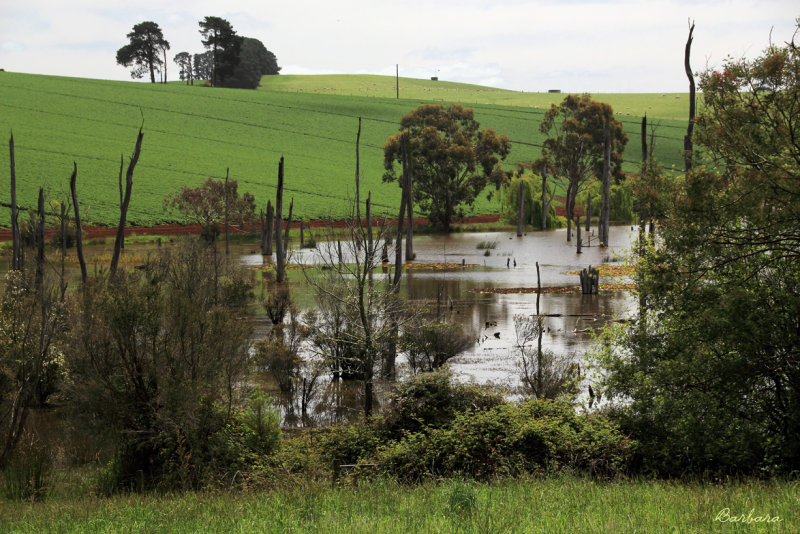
point(144, 51)
point(575, 147)
point(206, 205)
point(451, 159)
point(711, 381)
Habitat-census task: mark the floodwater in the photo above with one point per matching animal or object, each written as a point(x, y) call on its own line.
point(489, 316)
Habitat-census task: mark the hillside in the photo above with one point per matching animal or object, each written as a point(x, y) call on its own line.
point(193, 132)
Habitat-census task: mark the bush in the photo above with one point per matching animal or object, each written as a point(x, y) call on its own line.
point(537, 436)
point(432, 400)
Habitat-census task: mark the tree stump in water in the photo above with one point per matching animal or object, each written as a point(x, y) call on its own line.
point(590, 281)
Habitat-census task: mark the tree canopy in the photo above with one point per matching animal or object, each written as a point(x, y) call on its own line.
point(575, 145)
point(451, 159)
point(222, 41)
point(254, 61)
point(143, 52)
point(710, 378)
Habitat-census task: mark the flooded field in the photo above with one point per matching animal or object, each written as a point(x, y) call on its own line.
point(460, 294)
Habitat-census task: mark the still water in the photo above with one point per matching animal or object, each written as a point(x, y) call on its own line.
point(489, 316)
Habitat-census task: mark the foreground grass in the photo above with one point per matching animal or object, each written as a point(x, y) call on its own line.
point(561, 504)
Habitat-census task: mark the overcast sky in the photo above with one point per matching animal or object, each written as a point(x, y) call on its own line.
point(573, 45)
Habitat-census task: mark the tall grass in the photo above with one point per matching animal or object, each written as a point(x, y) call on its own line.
point(561, 504)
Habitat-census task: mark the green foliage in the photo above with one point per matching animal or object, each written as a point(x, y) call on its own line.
point(532, 210)
point(28, 474)
point(207, 205)
point(621, 202)
point(221, 40)
point(261, 423)
point(708, 380)
point(144, 50)
point(433, 400)
point(254, 61)
point(461, 496)
point(450, 159)
point(158, 355)
point(348, 444)
point(537, 436)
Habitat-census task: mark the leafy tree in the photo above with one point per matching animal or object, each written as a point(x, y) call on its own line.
point(184, 62)
point(710, 380)
point(206, 205)
point(224, 45)
point(575, 147)
point(254, 61)
point(451, 159)
point(158, 358)
point(144, 50)
point(203, 65)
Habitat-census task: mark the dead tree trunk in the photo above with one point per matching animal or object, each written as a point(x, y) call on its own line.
point(278, 223)
point(605, 209)
point(521, 209)
point(78, 228)
point(358, 195)
point(590, 281)
point(545, 203)
point(578, 236)
point(40, 243)
point(286, 232)
point(227, 236)
point(121, 190)
point(410, 209)
point(388, 371)
point(269, 230)
point(16, 264)
point(125, 203)
point(687, 141)
point(588, 211)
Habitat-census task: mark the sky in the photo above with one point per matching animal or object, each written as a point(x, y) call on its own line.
point(595, 46)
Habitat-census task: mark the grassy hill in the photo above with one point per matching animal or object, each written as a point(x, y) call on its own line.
point(193, 132)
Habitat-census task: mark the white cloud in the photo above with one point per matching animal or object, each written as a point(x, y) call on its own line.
point(580, 45)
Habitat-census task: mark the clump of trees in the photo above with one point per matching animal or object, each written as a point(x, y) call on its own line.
point(707, 379)
point(230, 60)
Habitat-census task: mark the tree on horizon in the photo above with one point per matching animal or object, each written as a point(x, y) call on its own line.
point(143, 52)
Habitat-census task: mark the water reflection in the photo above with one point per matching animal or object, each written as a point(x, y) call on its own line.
point(451, 294)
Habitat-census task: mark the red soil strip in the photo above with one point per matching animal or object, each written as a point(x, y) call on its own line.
point(92, 232)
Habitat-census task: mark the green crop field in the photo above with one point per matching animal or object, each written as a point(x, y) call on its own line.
point(193, 132)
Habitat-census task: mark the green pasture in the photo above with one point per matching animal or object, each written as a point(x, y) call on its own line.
point(193, 132)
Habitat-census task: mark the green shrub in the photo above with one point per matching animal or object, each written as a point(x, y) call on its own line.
point(349, 444)
point(537, 436)
point(261, 423)
point(433, 400)
point(461, 497)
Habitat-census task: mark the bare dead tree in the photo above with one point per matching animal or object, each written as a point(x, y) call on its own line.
point(545, 202)
point(227, 237)
point(16, 264)
point(687, 141)
point(280, 266)
point(605, 209)
point(78, 228)
point(125, 203)
point(521, 207)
